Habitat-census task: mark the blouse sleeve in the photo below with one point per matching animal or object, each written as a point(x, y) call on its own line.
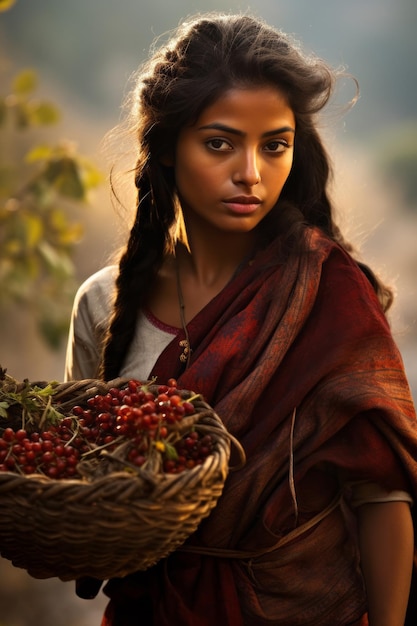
point(366, 492)
point(90, 316)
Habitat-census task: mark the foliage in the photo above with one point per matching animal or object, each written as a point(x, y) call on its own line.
point(40, 188)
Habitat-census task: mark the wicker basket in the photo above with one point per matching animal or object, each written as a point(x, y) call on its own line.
point(111, 525)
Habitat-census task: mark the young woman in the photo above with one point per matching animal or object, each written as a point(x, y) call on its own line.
point(237, 282)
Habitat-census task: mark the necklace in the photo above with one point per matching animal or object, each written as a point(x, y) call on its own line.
point(185, 356)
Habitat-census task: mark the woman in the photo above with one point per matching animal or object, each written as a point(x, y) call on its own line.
point(237, 282)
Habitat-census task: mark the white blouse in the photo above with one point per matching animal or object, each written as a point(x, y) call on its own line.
point(90, 317)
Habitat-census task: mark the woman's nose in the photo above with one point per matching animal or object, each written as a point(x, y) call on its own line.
point(247, 169)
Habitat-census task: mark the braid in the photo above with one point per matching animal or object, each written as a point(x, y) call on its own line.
point(138, 267)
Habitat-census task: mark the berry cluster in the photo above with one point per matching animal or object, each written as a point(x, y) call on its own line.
point(54, 452)
point(144, 419)
point(191, 450)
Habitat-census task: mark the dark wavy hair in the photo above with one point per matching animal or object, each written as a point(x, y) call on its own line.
point(205, 57)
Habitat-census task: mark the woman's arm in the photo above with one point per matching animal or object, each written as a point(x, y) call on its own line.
point(386, 543)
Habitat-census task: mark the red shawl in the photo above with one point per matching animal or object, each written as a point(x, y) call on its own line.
point(299, 362)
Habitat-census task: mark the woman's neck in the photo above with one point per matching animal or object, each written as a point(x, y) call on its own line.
point(210, 261)
point(197, 273)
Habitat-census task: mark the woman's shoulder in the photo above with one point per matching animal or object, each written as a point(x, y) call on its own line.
point(97, 291)
point(338, 259)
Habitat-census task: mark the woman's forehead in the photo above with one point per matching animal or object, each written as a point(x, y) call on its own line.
point(260, 105)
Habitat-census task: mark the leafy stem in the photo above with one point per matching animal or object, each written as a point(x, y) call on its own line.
point(31, 403)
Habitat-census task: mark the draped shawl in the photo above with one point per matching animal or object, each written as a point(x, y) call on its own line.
point(298, 360)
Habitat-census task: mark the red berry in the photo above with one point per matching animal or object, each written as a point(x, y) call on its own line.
point(59, 449)
point(139, 460)
point(188, 408)
point(21, 434)
point(72, 461)
point(149, 407)
point(52, 471)
point(8, 434)
point(37, 447)
point(47, 457)
point(61, 465)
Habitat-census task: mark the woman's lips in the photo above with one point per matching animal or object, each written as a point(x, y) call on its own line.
point(243, 204)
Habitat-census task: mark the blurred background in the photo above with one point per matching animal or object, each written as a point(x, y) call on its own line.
point(64, 71)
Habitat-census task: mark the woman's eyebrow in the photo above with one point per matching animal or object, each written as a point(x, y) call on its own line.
point(235, 131)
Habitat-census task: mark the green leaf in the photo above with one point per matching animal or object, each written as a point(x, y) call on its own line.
point(71, 235)
point(70, 186)
point(57, 260)
point(25, 82)
point(92, 176)
point(46, 391)
point(41, 152)
point(170, 452)
point(63, 174)
point(53, 415)
point(58, 220)
point(3, 409)
point(43, 113)
point(33, 230)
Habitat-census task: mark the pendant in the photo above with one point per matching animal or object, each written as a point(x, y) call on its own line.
point(186, 351)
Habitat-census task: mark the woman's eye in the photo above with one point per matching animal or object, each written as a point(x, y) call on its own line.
point(278, 145)
point(218, 144)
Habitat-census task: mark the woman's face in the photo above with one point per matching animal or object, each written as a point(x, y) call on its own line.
point(231, 165)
